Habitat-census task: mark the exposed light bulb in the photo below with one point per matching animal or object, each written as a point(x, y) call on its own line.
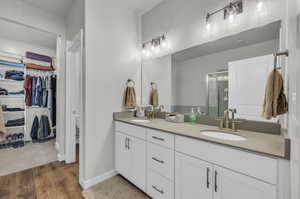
point(259, 5)
point(164, 43)
point(144, 51)
point(157, 49)
point(231, 17)
point(208, 25)
point(152, 47)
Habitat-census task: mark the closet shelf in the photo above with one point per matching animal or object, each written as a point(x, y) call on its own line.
point(11, 96)
point(9, 81)
point(14, 127)
point(12, 112)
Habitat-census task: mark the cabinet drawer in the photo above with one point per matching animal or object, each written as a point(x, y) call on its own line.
point(251, 164)
point(132, 130)
point(161, 160)
point(160, 138)
point(159, 187)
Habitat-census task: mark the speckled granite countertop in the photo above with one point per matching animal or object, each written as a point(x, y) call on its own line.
point(267, 144)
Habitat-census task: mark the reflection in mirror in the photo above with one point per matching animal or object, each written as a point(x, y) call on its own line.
point(217, 93)
point(227, 73)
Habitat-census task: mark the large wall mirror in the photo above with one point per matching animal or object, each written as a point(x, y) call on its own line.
point(227, 73)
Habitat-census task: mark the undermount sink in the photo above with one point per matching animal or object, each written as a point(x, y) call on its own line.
point(141, 121)
point(223, 136)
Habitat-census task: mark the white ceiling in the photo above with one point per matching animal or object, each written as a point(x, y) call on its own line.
point(26, 34)
point(58, 7)
point(257, 35)
point(143, 6)
point(61, 7)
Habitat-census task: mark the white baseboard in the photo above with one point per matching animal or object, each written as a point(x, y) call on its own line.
point(60, 157)
point(85, 184)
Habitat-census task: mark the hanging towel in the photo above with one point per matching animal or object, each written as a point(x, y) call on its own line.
point(275, 102)
point(130, 98)
point(154, 97)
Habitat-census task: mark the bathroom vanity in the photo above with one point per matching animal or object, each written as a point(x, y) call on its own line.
point(177, 161)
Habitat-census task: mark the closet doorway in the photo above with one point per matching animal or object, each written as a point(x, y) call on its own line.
point(28, 97)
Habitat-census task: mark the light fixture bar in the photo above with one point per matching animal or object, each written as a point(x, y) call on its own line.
point(237, 5)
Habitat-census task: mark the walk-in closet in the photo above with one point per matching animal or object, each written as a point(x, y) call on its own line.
point(28, 97)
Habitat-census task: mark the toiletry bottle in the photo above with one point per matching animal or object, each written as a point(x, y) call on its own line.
point(198, 114)
point(193, 118)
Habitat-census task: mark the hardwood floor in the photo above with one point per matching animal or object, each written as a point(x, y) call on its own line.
point(52, 181)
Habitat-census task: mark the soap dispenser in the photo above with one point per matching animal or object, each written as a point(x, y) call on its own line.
point(193, 118)
point(198, 114)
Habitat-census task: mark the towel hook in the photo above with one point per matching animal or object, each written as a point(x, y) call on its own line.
point(284, 53)
point(130, 81)
point(153, 85)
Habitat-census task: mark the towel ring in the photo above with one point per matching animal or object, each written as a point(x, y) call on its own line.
point(153, 85)
point(130, 81)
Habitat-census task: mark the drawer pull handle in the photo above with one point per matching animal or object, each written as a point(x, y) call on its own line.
point(158, 190)
point(157, 138)
point(157, 160)
point(216, 183)
point(207, 178)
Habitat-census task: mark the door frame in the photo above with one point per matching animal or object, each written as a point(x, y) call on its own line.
point(74, 46)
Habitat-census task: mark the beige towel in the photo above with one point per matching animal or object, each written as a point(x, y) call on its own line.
point(275, 102)
point(130, 98)
point(154, 97)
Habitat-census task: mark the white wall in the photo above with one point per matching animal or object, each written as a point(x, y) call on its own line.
point(184, 21)
point(20, 48)
point(75, 19)
point(158, 71)
point(189, 82)
point(292, 42)
point(23, 13)
point(112, 57)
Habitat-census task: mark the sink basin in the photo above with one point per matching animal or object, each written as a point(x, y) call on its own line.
point(223, 136)
point(141, 121)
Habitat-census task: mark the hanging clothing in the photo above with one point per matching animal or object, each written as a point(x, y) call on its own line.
point(53, 100)
point(28, 88)
point(34, 81)
point(45, 91)
point(35, 128)
point(44, 128)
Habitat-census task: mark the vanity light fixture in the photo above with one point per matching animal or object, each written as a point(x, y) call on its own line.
point(155, 45)
point(230, 11)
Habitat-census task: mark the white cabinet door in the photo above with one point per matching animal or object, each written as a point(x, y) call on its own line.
point(231, 185)
point(137, 169)
point(122, 154)
point(192, 178)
